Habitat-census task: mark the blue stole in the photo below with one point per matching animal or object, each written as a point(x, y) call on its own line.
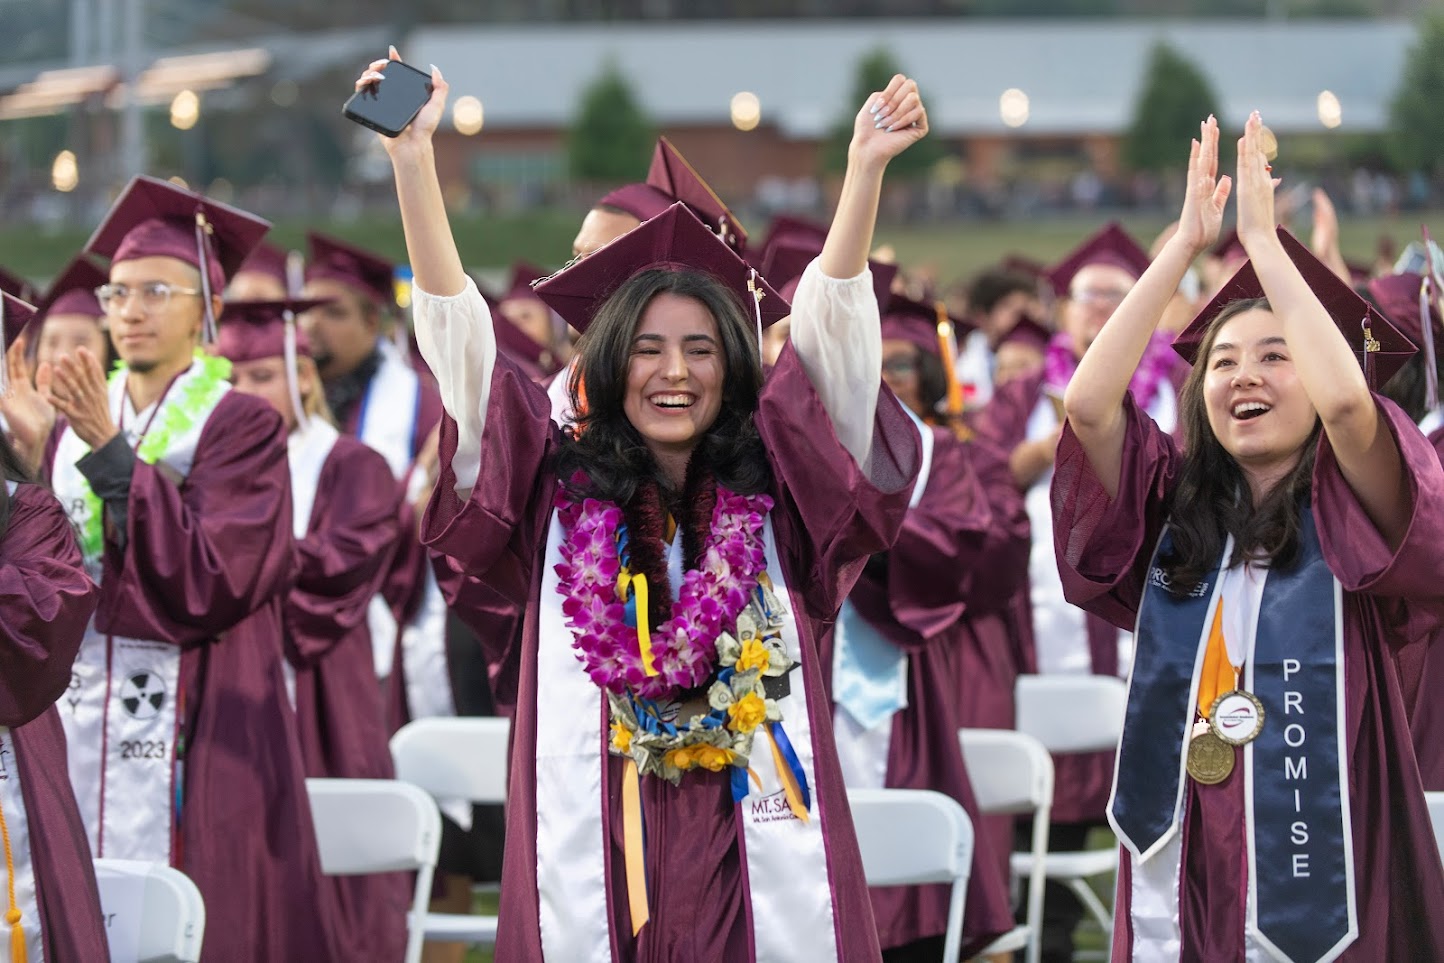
point(1300, 842)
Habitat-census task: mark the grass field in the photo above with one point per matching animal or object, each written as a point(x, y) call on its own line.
point(953, 251)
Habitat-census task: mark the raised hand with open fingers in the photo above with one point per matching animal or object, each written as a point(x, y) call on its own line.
point(419, 132)
point(890, 122)
point(1207, 193)
point(26, 407)
point(81, 395)
point(1255, 186)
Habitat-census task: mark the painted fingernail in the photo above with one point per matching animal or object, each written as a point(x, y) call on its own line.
point(882, 118)
point(889, 130)
point(872, 106)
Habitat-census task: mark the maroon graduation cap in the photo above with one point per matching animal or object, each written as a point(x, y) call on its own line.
point(252, 330)
point(1351, 313)
point(270, 260)
point(15, 316)
point(523, 273)
point(917, 322)
point(784, 263)
point(673, 239)
point(1229, 248)
point(16, 286)
point(793, 229)
point(335, 260)
point(155, 218)
point(1112, 245)
point(642, 201)
point(671, 174)
point(73, 291)
point(1029, 332)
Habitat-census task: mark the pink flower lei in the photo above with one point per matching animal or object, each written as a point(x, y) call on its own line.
point(684, 647)
point(1153, 368)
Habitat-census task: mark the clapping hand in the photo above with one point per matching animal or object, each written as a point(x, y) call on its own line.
point(80, 394)
point(27, 409)
point(1207, 193)
point(1256, 185)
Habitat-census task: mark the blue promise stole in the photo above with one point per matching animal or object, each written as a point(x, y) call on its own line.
point(1300, 845)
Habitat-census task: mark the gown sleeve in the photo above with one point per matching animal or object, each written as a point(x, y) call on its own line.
point(344, 559)
point(1104, 546)
point(1003, 421)
point(204, 552)
point(46, 599)
point(924, 581)
point(844, 497)
point(458, 343)
point(1358, 555)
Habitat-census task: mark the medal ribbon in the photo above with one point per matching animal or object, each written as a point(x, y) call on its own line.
point(634, 847)
point(1148, 772)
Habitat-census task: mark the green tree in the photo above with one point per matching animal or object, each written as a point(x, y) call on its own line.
point(1416, 127)
point(1174, 98)
point(874, 72)
point(610, 138)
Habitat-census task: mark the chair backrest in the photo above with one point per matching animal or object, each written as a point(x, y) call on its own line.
point(1072, 713)
point(1435, 801)
point(379, 826)
point(454, 758)
point(152, 912)
point(1011, 772)
point(911, 836)
point(373, 825)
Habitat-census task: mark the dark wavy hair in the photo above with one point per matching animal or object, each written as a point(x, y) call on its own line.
point(604, 445)
point(1212, 499)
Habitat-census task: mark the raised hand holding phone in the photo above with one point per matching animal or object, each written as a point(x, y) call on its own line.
point(400, 102)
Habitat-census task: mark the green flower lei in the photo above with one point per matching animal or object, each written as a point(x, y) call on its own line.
point(177, 416)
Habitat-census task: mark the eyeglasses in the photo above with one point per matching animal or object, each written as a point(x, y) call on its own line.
point(900, 367)
point(1098, 296)
point(154, 295)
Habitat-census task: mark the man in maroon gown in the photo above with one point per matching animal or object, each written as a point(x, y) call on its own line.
point(183, 748)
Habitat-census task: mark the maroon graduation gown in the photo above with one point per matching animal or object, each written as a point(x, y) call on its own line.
point(951, 556)
point(46, 599)
point(829, 518)
point(1081, 780)
point(206, 566)
point(1427, 719)
point(339, 715)
point(1391, 599)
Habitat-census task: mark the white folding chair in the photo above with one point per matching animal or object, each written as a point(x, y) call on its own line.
point(914, 836)
point(368, 826)
point(456, 758)
point(1074, 714)
point(1012, 774)
point(1435, 801)
point(154, 913)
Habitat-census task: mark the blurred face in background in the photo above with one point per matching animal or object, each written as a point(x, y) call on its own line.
point(1094, 295)
point(600, 227)
point(255, 286)
point(62, 334)
point(531, 316)
point(1014, 360)
point(343, 333)
point(902, 372)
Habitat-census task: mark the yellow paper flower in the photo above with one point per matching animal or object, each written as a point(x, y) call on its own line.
point(713, 758)
point(621, 737)
point(681, 757)
point(754, 656)
point(747, 713)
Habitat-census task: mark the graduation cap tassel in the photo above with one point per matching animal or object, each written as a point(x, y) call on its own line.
point(1431, 367)
point(948, 348)
point(1371, 348)
point(208, 328)
point(293, 377)
point(754, 289)
point(295, 273)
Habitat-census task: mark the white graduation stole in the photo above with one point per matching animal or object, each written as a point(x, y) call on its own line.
point(306, 453)
point(387, 421)
point(120, 713)
point(787, 859)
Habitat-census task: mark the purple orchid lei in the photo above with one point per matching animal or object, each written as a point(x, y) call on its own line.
point(1158, 359)
point(684, 647)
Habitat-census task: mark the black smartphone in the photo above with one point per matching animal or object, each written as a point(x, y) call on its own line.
point(387, 107)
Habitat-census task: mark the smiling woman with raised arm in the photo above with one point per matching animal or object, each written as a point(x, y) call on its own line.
point(1280, 575)
point(675, 791)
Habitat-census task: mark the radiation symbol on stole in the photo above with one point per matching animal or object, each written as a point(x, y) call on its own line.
point(142, 695)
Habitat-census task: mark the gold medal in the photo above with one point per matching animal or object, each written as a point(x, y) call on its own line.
point(1210, 759)
point(1237, 717)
